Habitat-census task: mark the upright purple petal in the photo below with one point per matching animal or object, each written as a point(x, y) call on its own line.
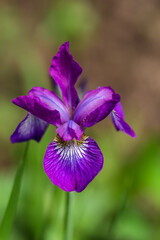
point(30, 128)
point(45, 105)
point(95, 106)
point(117, 116)
point(73, 165)
point(70, 130)
point(65, 72)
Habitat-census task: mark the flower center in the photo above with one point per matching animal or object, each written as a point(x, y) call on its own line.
point(73, 142)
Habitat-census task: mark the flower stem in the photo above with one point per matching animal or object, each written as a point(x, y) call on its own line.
point(68, 218)
point(8, 218)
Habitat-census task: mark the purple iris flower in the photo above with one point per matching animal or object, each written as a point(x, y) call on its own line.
point(72, 159)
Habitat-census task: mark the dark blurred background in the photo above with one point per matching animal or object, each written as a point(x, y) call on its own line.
point(117, 43)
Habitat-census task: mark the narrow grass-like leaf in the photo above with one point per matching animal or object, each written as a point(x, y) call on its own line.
point(8, 218)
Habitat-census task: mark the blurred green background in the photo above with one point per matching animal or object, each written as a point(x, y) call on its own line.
point(118, 44)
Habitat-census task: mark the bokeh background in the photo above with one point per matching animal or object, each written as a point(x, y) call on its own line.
point(118, 44)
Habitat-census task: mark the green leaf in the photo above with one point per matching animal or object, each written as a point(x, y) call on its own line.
point(8, 218)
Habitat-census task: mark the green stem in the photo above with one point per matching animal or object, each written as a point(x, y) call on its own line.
point(68, 219)
point(8, 218)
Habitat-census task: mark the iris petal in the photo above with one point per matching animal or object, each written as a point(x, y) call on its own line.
point(95, 106)
point(45, 105)
point(73, 165)
point(30, 128)
point(121, 125)
point(119, 109)
point(65, 72)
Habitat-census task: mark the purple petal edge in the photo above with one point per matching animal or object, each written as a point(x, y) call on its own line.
point(72, 165)
point(119, 110)
point(29, 128)
point(121, 125)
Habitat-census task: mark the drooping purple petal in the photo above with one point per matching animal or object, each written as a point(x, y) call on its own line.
point(119, 109)
point(70, 130)
point(65, 71)
point(95, 106)
point(30, 128)
point(45, 105)
point(73, 165)
point(121, 125)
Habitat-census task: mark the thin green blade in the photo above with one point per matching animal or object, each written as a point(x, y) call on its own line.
point(8, 218)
